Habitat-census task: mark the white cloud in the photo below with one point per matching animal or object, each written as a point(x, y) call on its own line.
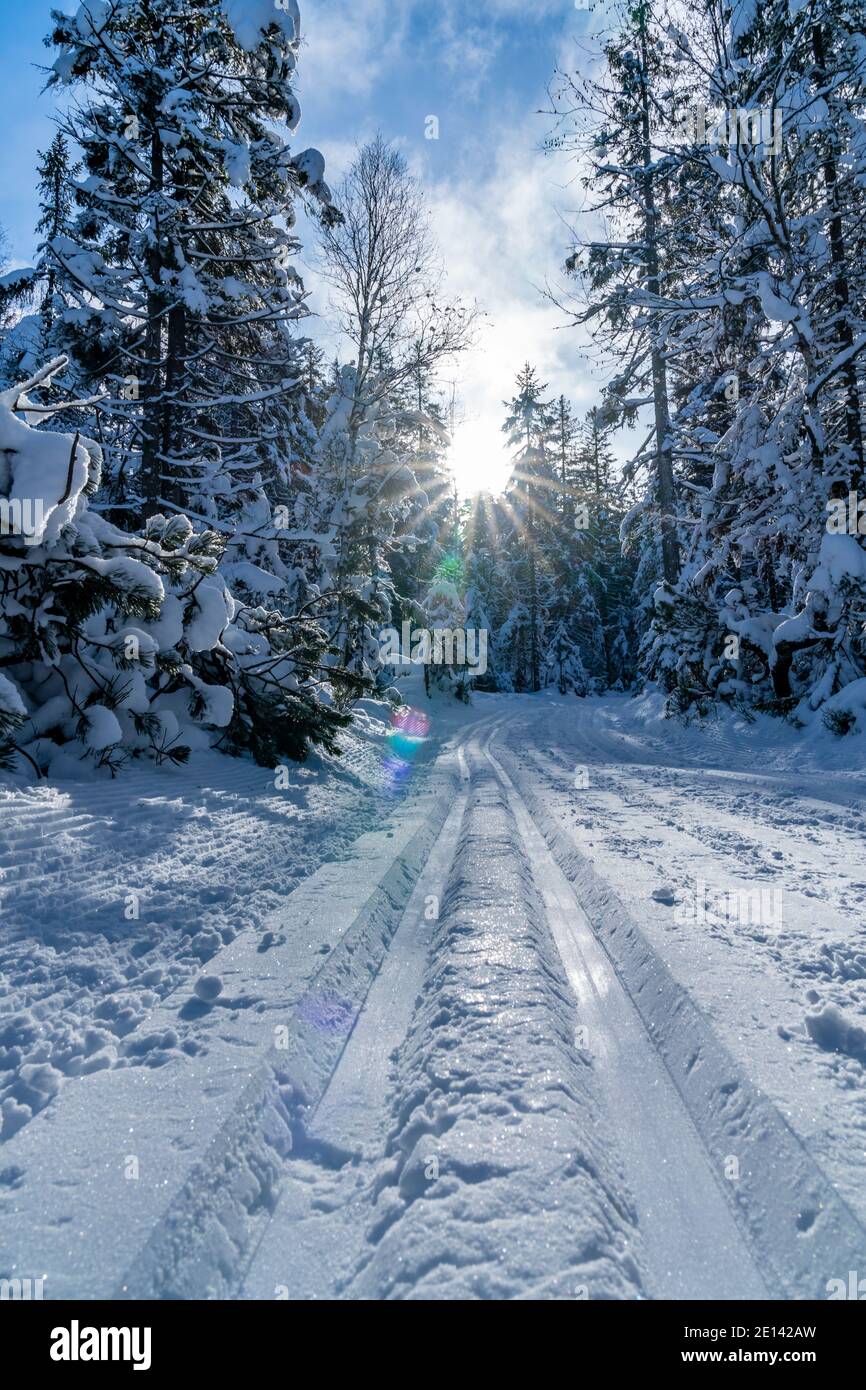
point(496, 211)
point(502, 239)
point(348, 45)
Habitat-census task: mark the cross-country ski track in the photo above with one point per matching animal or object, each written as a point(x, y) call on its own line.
point(489, 1082)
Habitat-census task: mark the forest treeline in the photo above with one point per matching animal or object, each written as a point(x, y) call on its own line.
point(207, 525)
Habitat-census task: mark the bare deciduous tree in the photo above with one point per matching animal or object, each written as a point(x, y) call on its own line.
point(384, 270)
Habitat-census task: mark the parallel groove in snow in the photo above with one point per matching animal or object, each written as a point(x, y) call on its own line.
point(800, 1229)
point(318, 1227)
point(503, 1181)
point(691, 1244)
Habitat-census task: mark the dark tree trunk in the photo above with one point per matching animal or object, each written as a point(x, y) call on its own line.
point(664, 459)
point(841, 287)
point(150, 387)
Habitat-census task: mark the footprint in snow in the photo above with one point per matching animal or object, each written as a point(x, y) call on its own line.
point(666, 894)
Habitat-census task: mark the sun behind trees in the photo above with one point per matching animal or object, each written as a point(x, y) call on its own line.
point(165, 330)
point(545, 569)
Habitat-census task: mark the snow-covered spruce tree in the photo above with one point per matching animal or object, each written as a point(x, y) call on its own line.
point(314, 381)
point(571, 587)
point(445, 615)
point(574, 542)
point(31, 340)
point(116, 646)
point(601, 493)
point(767, 340)
point(563, 664)
point(563, 437)
point(177, 271)
point(612, 119)
point(531, 494)
point(575, 613)
point(54, 186)
point(428, 535)
point(487, 585)
point(363, 489)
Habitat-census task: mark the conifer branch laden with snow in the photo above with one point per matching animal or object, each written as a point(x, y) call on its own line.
point(729, 290)
point(173, 283)
point(116, 646)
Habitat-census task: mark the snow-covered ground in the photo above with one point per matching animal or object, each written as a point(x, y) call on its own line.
point(563, 1000)
point(115, 894)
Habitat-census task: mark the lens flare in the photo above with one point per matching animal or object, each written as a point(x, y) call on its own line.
point(406, 737)
point(412, 722)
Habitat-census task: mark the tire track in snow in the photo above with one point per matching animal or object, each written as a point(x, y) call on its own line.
point(302, 1252)
point(487, 1172)
point(691, 1244)
point(758, 968)
point(800, 1229)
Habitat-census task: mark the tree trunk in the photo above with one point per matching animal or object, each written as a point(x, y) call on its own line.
point(173, 431)
point(664, 459)
point(842, 291)
point(150, 385)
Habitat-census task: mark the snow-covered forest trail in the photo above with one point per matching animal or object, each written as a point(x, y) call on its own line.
point(724, 1200)
point(677, 1237)
point(527, 1047)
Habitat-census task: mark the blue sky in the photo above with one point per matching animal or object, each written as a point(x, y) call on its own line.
point(481, 68)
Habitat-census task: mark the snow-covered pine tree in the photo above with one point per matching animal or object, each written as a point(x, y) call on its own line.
point(364, 490)
point(600, 493)
point(177, 271)
point(445, 615)
point(487, 585)
point(531, 493)
point(56, 172)
point(616, 120)
point(115, 646)
point(429, 533)
point(767, 333)
point(563, 664)
point(314, 379)
point(31, 341)
point(562, 442)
